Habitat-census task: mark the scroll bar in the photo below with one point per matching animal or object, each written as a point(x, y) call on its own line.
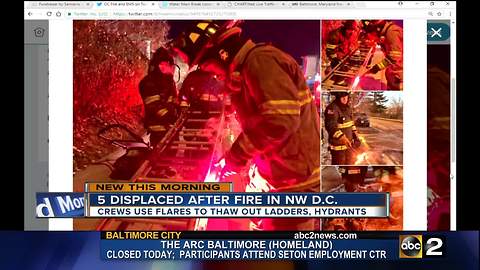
point(453, 157)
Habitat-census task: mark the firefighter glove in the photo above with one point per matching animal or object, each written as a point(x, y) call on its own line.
point(374, 69)
point(345, 141)
point(356, 143)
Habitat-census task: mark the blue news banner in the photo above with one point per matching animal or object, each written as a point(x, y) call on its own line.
point(225, 245)
point(249, 249)
point(237, 205)
point(92, 250)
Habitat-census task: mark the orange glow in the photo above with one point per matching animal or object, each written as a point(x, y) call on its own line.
point(393, 184)
point(361, 158)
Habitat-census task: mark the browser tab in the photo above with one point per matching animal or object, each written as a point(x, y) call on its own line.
point(61, 4)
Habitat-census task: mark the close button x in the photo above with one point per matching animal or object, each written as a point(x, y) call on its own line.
point(436, 32)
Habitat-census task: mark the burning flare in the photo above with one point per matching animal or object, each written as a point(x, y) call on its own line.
point(355, 82)
point(361, 158)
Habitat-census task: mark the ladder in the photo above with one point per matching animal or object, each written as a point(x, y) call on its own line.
point(188, 150)
point(345, 76)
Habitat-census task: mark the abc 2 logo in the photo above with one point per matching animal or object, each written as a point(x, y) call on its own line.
point(418, 246)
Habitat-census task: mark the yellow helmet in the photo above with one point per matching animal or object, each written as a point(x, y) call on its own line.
point(201, 37)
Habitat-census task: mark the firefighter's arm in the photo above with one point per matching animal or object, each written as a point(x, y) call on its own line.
point(394, 37)
point(380, 66)
point(278, 101)
point(157, 101)
point(335, 133)
point(354, 128)
point(331, 123)
point(357, 140)
point(394, 51)
point(360, 140)
point(331, 51)
point(332, 47)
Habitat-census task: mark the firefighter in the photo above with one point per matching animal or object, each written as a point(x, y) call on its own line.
point(353, 176)
point(159, 95)
point(343, 136)
point(203, 91)
point(204, 94)
point(279, 120)
point(340, 42)
point(391, 39)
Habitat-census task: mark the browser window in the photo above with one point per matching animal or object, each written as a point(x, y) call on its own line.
point(358, 99)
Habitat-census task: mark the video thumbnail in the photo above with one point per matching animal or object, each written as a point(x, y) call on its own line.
point(362, 55)
point(362, 128)
point(365, 179)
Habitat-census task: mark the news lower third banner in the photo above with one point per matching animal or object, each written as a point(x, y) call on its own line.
point(144, 250)
point(194, 200)
point(224, 245)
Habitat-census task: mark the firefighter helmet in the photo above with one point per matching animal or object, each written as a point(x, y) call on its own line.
point(199, 40)
point(373, 25)
point(160, 55)
point(192, 41)
point(199, 82)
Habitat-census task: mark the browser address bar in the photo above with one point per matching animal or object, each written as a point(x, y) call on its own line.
point(172, 14)
point(208, 14)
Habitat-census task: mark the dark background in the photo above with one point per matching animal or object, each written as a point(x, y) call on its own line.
point(296, 37)
point(439, 56)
